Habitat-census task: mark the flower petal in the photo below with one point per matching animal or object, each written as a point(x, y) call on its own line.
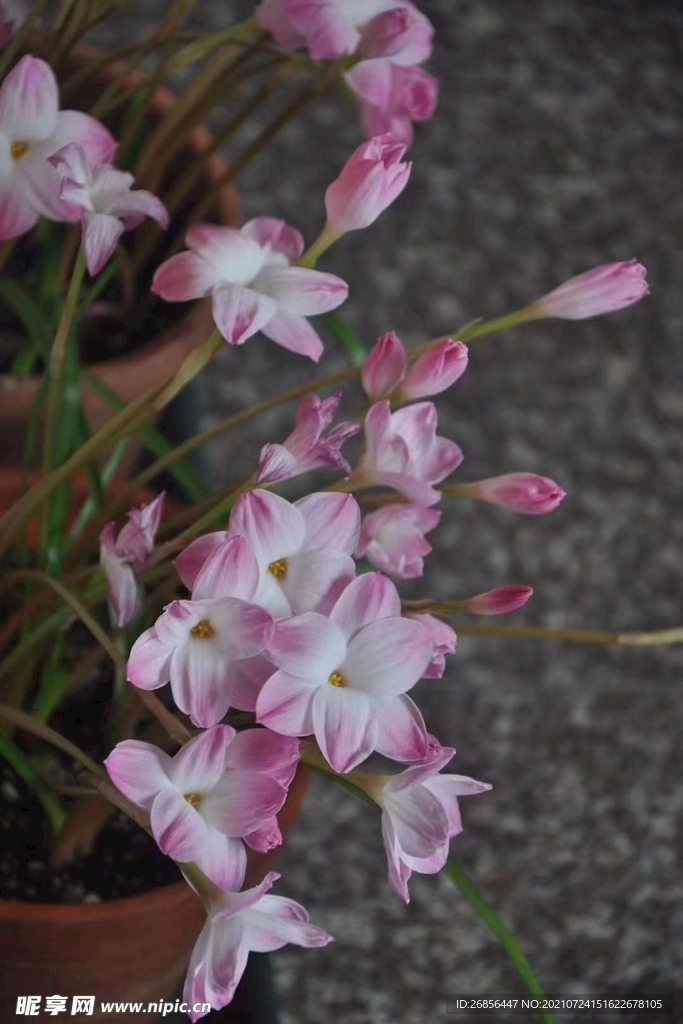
point(183, 277)
point(275, 236)
point(343, 726)
point(140, 770)
point(387, 658)
point(201, 763)
point(149, 663)
point(190, 561)
point(29, 101)
point(419, 821)
point(275, 921)
point(231, 570)
point(100, 237)
point(308, 645)
point(285, 704)
point(240, 312)
point(179, 830)
point(242, 802)
point(294, 333)
point(331, 521)
point(312, 574)
point(369, 597)
point(260, 750)
point(273, 526)
point(401, 731)
point(302, 292)
point(223, 859)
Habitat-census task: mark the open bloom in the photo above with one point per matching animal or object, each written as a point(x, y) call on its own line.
point(130, 550)
point(602, 290)
point(369, 182)
point(528, 493)
point(420, 813)
point(404, 452)
point(199, 645)
point(393, 539)
point(344, 678)
point(444, 639)
point(308, 446)
point(107, 205)
point(220, 787)
point(237, 924)
point(385, 371)
point(32, 129)
point(252, 284)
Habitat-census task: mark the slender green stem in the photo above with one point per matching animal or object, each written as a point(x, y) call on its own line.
point(23, 721)
point(578, 636)
point(487, 914)
point(502, 323)
point(24, 768)
point(323, 242)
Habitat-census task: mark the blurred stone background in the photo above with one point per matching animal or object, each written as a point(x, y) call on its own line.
point(557, 146)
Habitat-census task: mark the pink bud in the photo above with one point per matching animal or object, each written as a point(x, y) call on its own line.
point(414, 93)
point(524, 492)
point(369, 182)
point(384, 367)
point(435, 371)
point(402, 33)
point(500, 601)
point(602, 290)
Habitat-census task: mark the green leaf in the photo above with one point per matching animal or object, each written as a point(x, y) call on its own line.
point(490, 918)
point(25, 770)
point(347, 337)
point(39, 326)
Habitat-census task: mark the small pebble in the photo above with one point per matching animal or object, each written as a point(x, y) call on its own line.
point(9, 791)
point(34, 866)
point(91, 897)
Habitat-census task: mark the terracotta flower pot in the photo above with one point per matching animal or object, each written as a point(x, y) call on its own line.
point(127, 950)
point(131, 374)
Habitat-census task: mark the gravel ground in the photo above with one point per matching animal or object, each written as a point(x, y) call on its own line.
point(557, 146)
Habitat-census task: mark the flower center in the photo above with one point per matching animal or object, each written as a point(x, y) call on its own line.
point(18, 149)
point(278, 568)
point(202, 631)
point(193, 799)
point(337, 679)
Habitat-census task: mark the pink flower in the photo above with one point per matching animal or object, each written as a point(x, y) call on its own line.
point(108, 206)
point(32, 129)
point(523, 492)
point(344, 678)
point(308, 447)
point(220, 787)
point(13, 14)
point(272, 15)
point(131, 549)
point(370, 181)
point(392, 539)
point(602, 290)
point(252, 284)
point(404, 452)
point(402, 33)
point(499, 601)
point(420, 813)
point(444, 639)
point(384, 371)
point(199, 646)
point(334, 28)
point(239, 923)
point(393, 96)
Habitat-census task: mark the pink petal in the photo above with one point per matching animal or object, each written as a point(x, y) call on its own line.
point(311, 575)
point(388, 657)
point(201, 763)
point(401, 731)
point(100, 237)
point(275, 236)
point(331, 521)
point(179, 830)
point(447, 789)
point(231, 570)
point(123, 590)
point(240, 312)
point(372, 81)
point(328, 33)
point(399, 872)
point(260, 750)
point(369, 597)
point(149, 663)
point(273, 526)
point(42, 186)
point(242, 802)
point(419, 821)
point(265, 838)
point(223, 859)
point(343, 726)
point(419, 774)
point(275, 921)
point(17, 213)
point(198, 682)
point(247, 678)
point(384, 367)
point(95, 140)
point(183, 277)
point(302, 292)
point(309, 646)
point(295, 334)
point(190, 561)
point(139, 770)
point(29, 101)
point(235, 258)
point(285, 704)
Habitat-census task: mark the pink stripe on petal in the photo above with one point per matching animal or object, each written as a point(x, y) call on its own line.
point(260, 750)
point(17, 213)
point(231, 570)
point(29, 100)
point(285, 705)
point(190, 561)
point(240, 312)
point(401, 731)
point(419, 821)
point(140, 770)
point(273, 526)
point(369, 597)
point(100, 237)
point(331, 520)
point(178, 829)
point(276, 236)
point(242, 802)
point(308, 645)
point(311, 575)
point(184, 277)
point(95, 140)
point(343, 726)
point(295, 334)
point(149, 663)
point(223, 859)
point(200, 764)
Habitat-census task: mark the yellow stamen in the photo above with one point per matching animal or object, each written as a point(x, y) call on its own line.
point(337, 679)
point(193, 799)
point(18, 149)
point(278, 568)
point(203, 630)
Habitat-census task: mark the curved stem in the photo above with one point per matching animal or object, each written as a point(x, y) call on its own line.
point(577, 636)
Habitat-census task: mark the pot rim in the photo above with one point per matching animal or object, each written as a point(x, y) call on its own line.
point(173, 896)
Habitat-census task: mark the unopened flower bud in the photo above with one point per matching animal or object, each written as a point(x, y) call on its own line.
point(435, 371)
point(523, 492)
point(384, 367)
point(369, 182)
point(602, 290)
point(499, 601)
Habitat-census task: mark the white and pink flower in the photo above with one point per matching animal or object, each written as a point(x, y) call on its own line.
point(403, 451)
point(237, 924)
point(219, 788)
point(393, 539)
point(252, 283)
point(108, 206)
point(444, 639)
point(33, 129)
point(344, 677)
point(121, 555)
point(308, 447)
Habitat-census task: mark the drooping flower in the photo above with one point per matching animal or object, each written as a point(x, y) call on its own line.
point(393, 96)
point(393, 539)
point(444, 639)
point(420, 814)
point(237, 924)
point(121, 555)
point(210, 796)
point(404, 452)
point(369, 182)
point(108, 206)
point(344, 678)
point(13, 14)
point(253, 285)
point(385, 371)
point(528, 493)
point(602, 290)
point(308, 446)
point(33, 129)
point(199, 646)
